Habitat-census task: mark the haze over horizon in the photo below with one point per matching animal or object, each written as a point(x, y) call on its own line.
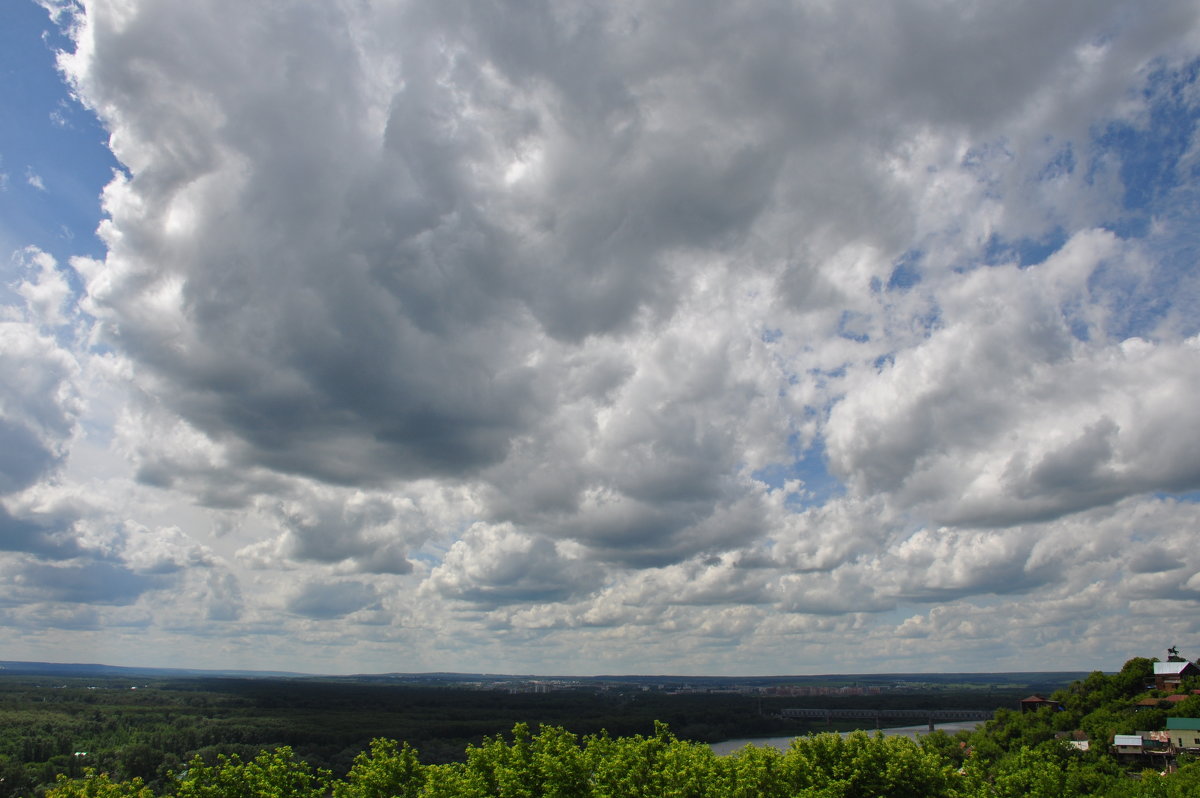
point(373, 336)
point(452, 677)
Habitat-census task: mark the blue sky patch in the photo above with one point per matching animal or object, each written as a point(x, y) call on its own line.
point(810, 467)
point(851, 326)
point(1024, 251)
point(54, 154)
point(1151, 152)
point(905, 272)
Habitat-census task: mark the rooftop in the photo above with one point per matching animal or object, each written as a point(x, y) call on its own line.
point(1172, 668)
point(1191, 724)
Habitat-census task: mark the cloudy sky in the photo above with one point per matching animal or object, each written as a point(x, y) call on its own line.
point(600, 337)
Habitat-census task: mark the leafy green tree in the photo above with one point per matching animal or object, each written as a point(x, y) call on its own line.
point(499, 769)
point(1094, 775)
point(1031, 773)
point(387, 770)
point(447, 781)
point(138, 760)
point(561, 767)
point(15, 778)
point(1133, 676)
point(628, 766)
point(1101, 724)
point(549, 764)
point(1184, 783)
point(1188, 708)
point(684, 769)
point(271, 774)
point(752, 772)
point(861, 765)
point(98, 785)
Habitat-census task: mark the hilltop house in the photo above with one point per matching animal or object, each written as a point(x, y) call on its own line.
point(1035, 702)
point(1169, 676)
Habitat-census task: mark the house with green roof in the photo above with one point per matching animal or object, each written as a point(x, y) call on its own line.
point(1184, 732)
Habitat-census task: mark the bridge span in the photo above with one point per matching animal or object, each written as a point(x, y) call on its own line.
point(878, 715)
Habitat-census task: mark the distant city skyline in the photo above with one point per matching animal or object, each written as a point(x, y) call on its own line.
point(588, 338)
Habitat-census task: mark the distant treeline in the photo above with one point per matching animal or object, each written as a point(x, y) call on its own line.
point(1036, 680)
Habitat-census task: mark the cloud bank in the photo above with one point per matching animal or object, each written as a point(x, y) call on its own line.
point(641, 336)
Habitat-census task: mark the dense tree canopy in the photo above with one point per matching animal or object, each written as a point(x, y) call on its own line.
point(555, 764)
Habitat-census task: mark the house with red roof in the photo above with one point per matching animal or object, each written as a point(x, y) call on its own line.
point(1035, 702)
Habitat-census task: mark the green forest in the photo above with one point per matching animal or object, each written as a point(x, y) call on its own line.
point(190, 740)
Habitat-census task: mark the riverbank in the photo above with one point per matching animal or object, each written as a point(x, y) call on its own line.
point(782, 743)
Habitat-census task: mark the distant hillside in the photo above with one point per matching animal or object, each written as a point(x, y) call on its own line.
point(12, 668)
point(1035, 680)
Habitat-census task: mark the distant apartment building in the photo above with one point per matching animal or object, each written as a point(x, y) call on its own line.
point(792, 691)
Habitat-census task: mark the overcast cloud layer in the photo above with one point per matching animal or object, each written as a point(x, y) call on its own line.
point(606, 337)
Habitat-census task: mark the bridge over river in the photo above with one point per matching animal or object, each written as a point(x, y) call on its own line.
point(879, 715)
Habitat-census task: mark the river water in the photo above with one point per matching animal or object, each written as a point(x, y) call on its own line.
point(782, 743)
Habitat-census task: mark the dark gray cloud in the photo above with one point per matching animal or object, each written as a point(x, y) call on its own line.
point(96, 582)
point(1152, 560)
point(23, 457)
point(70, 617)
point(371, 532)
point(225, 598)
point(347, 356)
point(49, 538)
point(38, 404)
point(326, 600)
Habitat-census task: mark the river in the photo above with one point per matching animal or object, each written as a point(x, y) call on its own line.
point(782, 743)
